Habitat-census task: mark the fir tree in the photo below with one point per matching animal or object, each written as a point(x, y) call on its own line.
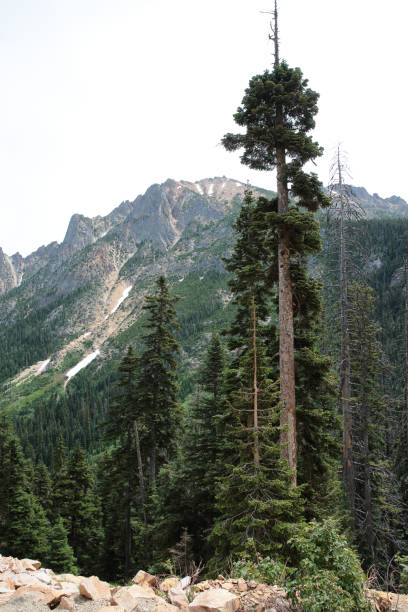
point(255, 504)
point(60, 554)
point(376, 520)
point(23, 527)
point(121, 472)
point(278, 113)
point(157, 379)
point(84, 525)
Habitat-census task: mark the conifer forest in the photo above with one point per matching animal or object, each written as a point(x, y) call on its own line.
point(266, 437)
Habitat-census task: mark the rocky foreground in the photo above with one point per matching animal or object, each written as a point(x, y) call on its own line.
point(26, 587)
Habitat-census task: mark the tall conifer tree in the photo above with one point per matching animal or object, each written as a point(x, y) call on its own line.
point(278, 113)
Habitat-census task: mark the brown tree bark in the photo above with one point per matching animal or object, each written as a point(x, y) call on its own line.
point(345, 387)
point(140, 469)
point(255, 385)
point(286, 326)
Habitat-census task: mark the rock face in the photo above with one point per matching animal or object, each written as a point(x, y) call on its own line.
point(215, 600)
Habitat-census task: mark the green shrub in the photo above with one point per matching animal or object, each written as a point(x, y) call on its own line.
point(403, 579)
point(264, 569)
point(328, 575)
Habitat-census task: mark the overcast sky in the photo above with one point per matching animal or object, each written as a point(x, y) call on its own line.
point(102, 98)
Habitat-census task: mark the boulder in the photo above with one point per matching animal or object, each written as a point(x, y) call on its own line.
point(142, 591)
point(166, 607)
point(30, 564)
point(93, 588)
point(69, 578)
point(185, 582)
point(178, 598)
point(16, 566)
point(23, 579)
point(242, 585)
point(25, 602)
point(66, 603)
point(215, 600)
point(143, 578)
point(41, 592)
point(169, 583)
point(70, 588)
point(121, 597)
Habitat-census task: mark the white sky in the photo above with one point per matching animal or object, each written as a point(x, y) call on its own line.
point(102, 98)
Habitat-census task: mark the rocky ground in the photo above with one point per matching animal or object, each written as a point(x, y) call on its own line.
point(26, 587)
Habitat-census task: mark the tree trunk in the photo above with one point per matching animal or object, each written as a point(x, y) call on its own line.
point(286, 328)
point(153, 457)
point(345, 390)
point(255, 385)
point(140, 469)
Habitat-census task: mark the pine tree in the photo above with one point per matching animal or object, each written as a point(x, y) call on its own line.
point(84, 525)
point(342, 212)
point(278, 112)
point(121, 473)
point(255, 503)
point(60, 556)
point(157, 380)
point(376, 520)
point(23, 527)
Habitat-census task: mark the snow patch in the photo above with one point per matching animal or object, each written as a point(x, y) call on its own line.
point(211, 189)
point(181, 279)
point(223, 185)
point(82, 364)
point(201, 277)
point(42, 366)
point(121, 299)
point(238, 184)
point(87, 334)
point(199, 189)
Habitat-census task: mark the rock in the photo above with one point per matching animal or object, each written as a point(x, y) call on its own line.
point(25, 602)
point(122, 597)
point(42, 592)
point(228, 585)
point(30, 564)
point(169, 583)
point(66, 603)
point(94, 589)
point(42, 575)
point(215, 600)
point(166, 607)
point(70, 588)
point(242, 585)
point(16, 566)
point(185, 582)
point(69, 578)
point(220, 577)
point(253, 584)
point(111, 609)
point(178, 598)
point(143, 578)
point(141, 591)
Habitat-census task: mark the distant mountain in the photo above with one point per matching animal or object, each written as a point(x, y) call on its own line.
point(69, 310)
point(375, 206)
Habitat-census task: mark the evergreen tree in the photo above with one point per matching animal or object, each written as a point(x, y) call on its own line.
point(84, 525)
point(60, 555)
point(255, 503)
point(23, 527)
point(121, 473)
point(376, 520)
point(43, 487)
point(157, 380)
point(278, 112)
